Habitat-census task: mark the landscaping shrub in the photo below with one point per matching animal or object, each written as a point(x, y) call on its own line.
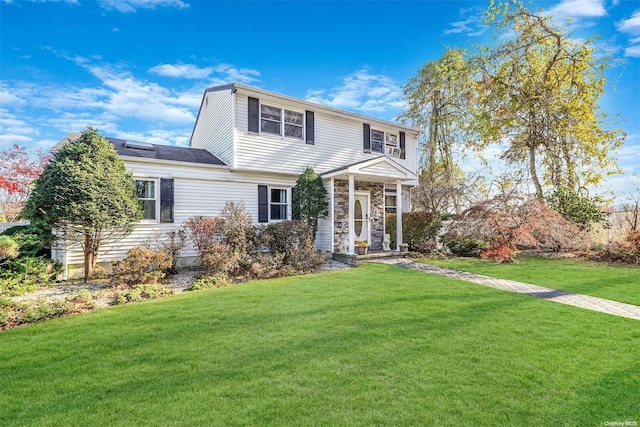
point(32, 241)
point(15, 313)
point(171, 243)
point(293, 239)
point(511, 220)
point(268, 266)
point(204, 231)
point(219, 258)
point(8, 249)
point(465, 245)
point(141, 266)
point(142, 292)
point(210, 282)
point(23, 274)
point(418, 229)
point(236, 228)
point(627, 252)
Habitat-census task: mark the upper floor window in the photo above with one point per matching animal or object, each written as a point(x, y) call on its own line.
point(146, 191)
point(377, 141)
point(279, 121)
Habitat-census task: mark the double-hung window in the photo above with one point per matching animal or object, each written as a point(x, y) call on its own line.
point(278, 205)
point(147, 195)
point(377, 141)
point(278, 121)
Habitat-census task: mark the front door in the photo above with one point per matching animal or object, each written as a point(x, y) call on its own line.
point(361, 217)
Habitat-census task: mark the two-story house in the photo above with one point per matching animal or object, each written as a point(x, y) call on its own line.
point(251, 145)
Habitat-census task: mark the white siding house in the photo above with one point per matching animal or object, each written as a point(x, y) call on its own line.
point(250, 145)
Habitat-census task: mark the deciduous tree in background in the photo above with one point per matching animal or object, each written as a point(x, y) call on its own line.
point(538, 93)
point(17, 172)
point(310, 201)
point(439, 100)
point(86, 195)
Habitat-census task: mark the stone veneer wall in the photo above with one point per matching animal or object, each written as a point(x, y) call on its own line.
point(341, 213)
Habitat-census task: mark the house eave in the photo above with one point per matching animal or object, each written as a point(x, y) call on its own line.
point(135, 159)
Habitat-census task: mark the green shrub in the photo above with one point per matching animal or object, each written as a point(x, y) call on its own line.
point(23, 274)
point(141, 266)
point(8, 249)
point(209, 282)
point(418, 229)
point(465, 246)
point(142, 292)
point(32, 241)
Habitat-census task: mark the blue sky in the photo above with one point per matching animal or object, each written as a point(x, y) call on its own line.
point(137, 69)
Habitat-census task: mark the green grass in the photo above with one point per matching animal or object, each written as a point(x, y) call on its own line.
point(610, 281)
point(375, 345)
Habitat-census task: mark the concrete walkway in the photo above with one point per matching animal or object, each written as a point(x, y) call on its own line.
point(563, 297)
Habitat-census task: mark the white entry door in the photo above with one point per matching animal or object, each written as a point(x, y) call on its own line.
point(361, 217)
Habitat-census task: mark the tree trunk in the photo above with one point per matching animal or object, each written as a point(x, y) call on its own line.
point(89, 257)
point(534, 174)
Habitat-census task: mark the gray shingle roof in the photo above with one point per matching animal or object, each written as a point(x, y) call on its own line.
point(167, 152)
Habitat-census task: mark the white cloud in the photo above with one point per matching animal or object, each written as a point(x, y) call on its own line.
point(7, 98)
point(579, 9)
point(632, 51)
point(185, 71)
point(129, 6)
point(630, 25)
point(471, 23)
point(361, 91)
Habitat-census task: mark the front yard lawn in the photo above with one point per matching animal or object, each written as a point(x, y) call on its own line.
point(373, 345)
point(599, 279)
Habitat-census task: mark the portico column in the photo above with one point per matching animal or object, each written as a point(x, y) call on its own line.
point(352, 189)
point(399, 213)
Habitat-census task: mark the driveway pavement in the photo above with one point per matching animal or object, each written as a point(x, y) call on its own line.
point(563, 297)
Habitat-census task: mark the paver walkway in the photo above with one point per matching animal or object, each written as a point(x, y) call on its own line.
point(563, 297)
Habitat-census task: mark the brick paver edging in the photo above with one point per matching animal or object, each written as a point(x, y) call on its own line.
point(577, 300)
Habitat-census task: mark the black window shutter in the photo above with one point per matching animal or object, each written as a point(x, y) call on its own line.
point(366, 137)
point(254, 115)
point(310, 124)
point(263, 203)
point(166, 200)
point(402, 146)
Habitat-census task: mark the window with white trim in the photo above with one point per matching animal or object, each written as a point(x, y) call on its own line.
point(278, 205)
point(278, 121)
point(147, 195)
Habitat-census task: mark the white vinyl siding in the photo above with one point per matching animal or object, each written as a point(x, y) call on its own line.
point(324, 238)
point(214, 129)
point(198, 190)
point(338, 142)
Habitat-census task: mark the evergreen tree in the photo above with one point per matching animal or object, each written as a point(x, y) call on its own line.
point(86, 195)
point(310, 199)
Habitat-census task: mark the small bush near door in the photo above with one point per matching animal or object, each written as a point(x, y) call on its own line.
point(418, 229)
